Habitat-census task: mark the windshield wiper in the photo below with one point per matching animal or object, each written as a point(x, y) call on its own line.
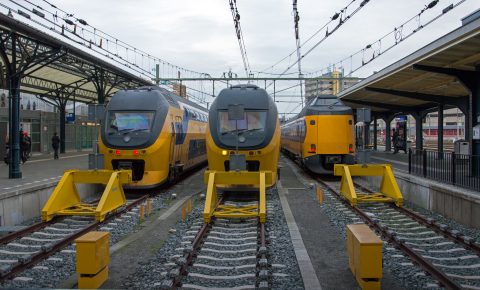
point(138, 130)
point(253, 129)
point(242, 130)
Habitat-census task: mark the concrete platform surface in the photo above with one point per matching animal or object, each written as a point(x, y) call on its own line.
point(42, 169)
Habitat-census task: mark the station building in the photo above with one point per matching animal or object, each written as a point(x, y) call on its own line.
point(40, 120)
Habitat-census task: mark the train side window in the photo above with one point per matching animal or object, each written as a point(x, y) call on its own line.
point(312, 122)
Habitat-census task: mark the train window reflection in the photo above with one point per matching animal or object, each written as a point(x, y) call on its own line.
point(328, 102)
point(130, 121)
point(252, 121)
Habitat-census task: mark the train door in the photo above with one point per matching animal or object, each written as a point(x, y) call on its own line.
point(174, 150)
point(178, 144)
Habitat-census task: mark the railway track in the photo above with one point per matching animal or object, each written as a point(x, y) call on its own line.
point(447, 256)
point(224, 253)
point(26, 248)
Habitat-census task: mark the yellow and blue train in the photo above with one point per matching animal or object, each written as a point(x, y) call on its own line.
point(153, 132)
point(255, 135)
point(321, 135)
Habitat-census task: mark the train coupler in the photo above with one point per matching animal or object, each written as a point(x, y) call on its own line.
point(389, 190)
point(257, 180)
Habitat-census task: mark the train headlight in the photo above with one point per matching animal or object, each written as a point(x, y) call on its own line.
point(118, 152)
point(224, 152)
point(135, 152)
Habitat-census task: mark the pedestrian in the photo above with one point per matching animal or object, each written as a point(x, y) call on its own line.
point(26, 145)
point(55, 145)
point(395, 137)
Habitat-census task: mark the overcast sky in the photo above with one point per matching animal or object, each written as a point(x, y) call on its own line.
point(199, 34)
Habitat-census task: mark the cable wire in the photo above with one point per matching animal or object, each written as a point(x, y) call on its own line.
point(389, 40)
point(238, 31)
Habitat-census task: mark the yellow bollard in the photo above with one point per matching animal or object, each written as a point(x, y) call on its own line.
point(142, 212)
point(184, 212)
point(319, 194)
point(189, 205)
point(149, 207)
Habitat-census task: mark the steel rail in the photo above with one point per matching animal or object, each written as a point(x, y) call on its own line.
point(25, 231)
point(429, 223)
point(428, 267)
point(32, 228)
point(65, 242)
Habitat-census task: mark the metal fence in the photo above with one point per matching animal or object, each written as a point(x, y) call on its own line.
point(457, 169)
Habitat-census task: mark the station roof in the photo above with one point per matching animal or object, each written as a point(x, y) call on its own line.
point(405, 85)
point(64, 66)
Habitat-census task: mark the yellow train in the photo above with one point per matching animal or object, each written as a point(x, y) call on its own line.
point(321, 135)
point(254, 136)
point(153, 132)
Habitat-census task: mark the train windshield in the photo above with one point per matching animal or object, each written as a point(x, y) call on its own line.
point(130, 121)
point(252, 121)
point(328, 102)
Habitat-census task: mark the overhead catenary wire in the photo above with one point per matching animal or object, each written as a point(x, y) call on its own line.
point(343, 18)
point(239, 34)
point(79, 31)
point(394, 37)
point(99, 40)
point(333, 18)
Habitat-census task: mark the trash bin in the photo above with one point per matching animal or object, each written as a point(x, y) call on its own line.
point(461, 147)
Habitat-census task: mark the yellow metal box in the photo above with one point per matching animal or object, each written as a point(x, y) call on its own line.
point(93, 252)
point(350, 238)
point(369, 284)
point(92, 281)
point(367, 252)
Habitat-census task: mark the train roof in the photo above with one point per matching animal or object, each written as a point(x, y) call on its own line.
point(251, 96)
point(325, 105)
point(145, 97)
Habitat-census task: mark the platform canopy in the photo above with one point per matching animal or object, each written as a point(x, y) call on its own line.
point(435, 74)
point(52, 68)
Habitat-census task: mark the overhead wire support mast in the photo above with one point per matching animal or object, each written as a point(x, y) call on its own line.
point(296, 19)
point(238, 31)
point(343, 18)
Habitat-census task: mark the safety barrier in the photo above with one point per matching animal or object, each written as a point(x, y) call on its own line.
point(389, 190)
point(65, 199)
point(461, 170)
point(258, 180)
point(364, 256)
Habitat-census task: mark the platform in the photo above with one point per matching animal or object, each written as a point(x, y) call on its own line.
point(22, 199)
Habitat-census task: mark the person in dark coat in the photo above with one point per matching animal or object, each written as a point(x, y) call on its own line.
point(55, 145)
point(395, 138)
point(26, 145)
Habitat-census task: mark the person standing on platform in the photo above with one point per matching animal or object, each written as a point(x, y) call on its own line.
point(395, 137)
point(55, 145)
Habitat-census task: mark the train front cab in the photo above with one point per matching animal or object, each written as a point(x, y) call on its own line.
point(243, 148)
point(174, 141)
point(329, 140)
point(261, 159)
